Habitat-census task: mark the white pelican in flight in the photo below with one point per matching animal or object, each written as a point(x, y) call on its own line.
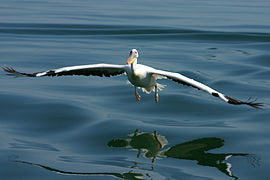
point(139, 75)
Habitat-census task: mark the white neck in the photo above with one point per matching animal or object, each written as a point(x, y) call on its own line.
point(133, 65)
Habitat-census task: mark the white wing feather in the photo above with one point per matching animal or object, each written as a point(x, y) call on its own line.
point(86, 70)
point(190, 82)
point(113, 70)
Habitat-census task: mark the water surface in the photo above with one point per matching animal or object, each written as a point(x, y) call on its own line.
point(63, 127)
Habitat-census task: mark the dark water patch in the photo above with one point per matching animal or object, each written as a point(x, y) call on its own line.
point(228, 37)
point(239, 28)
point(148, 33)
point(212, 48)
point(74, 29)
point(243, 52)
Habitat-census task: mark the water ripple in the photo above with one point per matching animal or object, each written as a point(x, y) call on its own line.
point(141, 31)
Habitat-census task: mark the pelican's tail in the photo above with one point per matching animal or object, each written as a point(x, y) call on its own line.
point(160, 86)
point(149, 89)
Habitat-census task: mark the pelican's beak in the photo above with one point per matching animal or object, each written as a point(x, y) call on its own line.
point(131, 59)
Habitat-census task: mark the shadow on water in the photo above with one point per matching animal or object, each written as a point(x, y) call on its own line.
point(152, 145)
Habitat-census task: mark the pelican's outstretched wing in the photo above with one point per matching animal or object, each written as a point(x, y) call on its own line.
point(86, 70)
point(190, 82)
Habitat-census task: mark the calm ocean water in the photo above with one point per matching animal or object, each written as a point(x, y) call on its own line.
point(93, 128)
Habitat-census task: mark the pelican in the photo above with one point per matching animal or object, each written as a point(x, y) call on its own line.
point(138, 75)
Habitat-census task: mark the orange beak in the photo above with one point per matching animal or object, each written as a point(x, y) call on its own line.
point(131, 59)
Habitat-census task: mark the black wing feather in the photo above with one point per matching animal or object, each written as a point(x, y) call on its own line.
point(85, 72)
point(88, 72)
point(13, 71)
point(253, 104)
point(182, 82)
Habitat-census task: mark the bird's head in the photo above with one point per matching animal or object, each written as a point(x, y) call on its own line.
point(133, 55)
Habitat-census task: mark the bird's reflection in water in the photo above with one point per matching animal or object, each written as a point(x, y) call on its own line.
point(153, 143)
point(191, 150)
point(197, 150)
point(127, 176)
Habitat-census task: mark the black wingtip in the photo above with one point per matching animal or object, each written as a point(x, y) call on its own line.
point(13, 71)
point(9, 70)
point(256, 105)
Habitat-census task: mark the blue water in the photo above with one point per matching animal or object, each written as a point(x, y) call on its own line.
point(80, 127)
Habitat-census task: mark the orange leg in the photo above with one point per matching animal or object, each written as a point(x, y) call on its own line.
point(156, 93)
point(138, 97)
